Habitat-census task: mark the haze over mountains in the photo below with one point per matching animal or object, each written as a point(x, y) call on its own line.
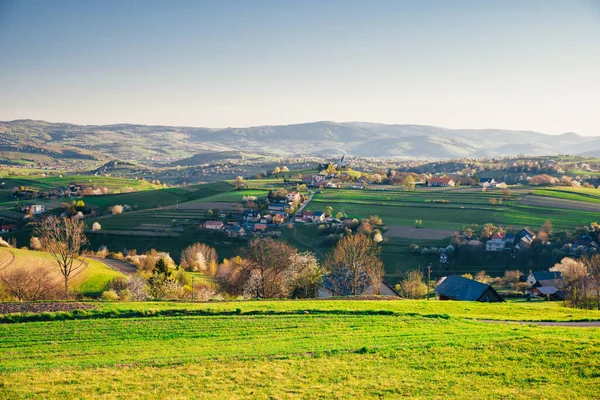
point(324, 138)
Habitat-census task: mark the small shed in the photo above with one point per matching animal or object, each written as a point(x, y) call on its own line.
point(456, 287)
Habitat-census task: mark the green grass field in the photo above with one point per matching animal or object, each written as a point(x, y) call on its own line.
point(275, 349)
point(162, 197)
point(455, 208)
point(57, 182)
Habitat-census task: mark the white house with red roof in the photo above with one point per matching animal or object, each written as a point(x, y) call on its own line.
point(439, 182)
point(497, 242)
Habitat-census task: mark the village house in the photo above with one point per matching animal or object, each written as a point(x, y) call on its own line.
point(236, 231)
point(498, 242)
point(252, 216)
point(318, 217)
point(487, 182)
point(293, 197)
point(260, 227)
point(588, 244)
point(278, 218)
point(307, 216)
point(8, 228)
point(278, 206)
point(547, 284)
point(524, 238)
point(216, 225)
point(455, 287)
point(37, 208)
point(534, 277)
point(440, 182)
point(299, 217)
point(266, 219)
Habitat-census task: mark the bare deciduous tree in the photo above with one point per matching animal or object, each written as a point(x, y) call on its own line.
point(354, 264)
point(30, 285)
point(64, 239)
point(270, 261)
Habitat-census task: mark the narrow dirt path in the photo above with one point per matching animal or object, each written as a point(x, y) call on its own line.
point(572, 324)
point(118, 265)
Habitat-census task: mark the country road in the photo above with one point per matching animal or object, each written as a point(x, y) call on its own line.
point(118, 265)
point(310, 197)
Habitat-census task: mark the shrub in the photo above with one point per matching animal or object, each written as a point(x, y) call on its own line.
point(110, 295)
point(125, 295)
point(116, 209)
point(35, 243)
point(137, 287)
point(117, 284)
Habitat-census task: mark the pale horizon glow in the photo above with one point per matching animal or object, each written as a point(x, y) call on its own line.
point(462, 64)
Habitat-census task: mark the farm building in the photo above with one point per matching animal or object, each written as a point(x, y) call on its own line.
point(456, 287)
point(213, 225)
point(440, 182)
point(550, 292)
point(534, 277)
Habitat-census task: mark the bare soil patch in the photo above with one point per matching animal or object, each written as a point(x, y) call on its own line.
point(417, 233)
point(12, 308)
point(553, 202)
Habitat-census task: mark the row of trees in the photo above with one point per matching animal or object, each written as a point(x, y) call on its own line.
point(266, 268)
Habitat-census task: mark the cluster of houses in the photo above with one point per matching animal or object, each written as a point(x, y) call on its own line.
point(506, 241)
point(276, 214)
point(545, 284)
point(447, 181)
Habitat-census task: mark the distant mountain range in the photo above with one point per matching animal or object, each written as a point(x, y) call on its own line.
point(171, 143)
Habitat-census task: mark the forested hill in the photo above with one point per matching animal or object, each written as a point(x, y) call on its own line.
point(144, 142)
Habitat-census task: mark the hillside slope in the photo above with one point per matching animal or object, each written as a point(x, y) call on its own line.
point(167, 144)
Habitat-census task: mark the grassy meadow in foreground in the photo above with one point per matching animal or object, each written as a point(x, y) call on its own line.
point(419, 350)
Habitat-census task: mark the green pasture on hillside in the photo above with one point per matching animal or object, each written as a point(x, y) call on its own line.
point(57, 182)
point(304, 349)
point(161, 197)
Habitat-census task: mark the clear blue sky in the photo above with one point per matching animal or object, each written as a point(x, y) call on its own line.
point(516, 64)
